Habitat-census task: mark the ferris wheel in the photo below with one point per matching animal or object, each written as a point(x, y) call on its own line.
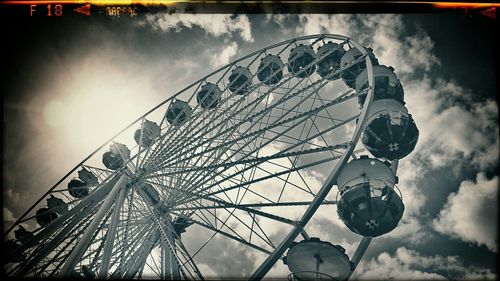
point(235, 155)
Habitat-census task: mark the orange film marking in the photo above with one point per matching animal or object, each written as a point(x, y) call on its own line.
point(442, 5)
point(448, 5)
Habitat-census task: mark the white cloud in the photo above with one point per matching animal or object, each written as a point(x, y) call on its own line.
point(322, 23)
point(383, 33)
point(223, 58)
point(11, 196)
point(227, 258)
point(452, 127)
point(406, 54)
point(471, 213)
point(8, 221)
point(407, 264)
point(450, 132)
point(410, 230)
point(8, 217)
point(214, 24)
point(451, 135)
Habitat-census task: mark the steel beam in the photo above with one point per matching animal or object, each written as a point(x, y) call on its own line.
point(82, 245)
point(110, 236)
point(360, 251)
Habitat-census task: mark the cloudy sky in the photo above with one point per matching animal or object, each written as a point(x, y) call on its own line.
point(85, 68)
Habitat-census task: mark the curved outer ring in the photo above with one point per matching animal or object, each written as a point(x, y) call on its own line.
point(328, 184)
point(332, 178)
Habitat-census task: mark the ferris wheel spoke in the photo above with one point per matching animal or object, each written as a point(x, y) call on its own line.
point(241, 99)
point(226, 178)
point(189, 260)
point(281, 100)
point(197, 141)
point(94, 238)
point(311, 137)
point(225, 204)
point(53, 240)
point(270, 176)
point(110, 235)
point(127, 231)
point(255, 160)
point(130, 248)
point(301, 148)
point(242, 224)
point(168, 147)
point(254, 205)
point(219, 224)
point(242, 136)
point(233, 237)
point(100, 173)
point(289, 148)
point(141, 143)
point(157, 144)
point(156, 269)
point(169, 238)
point(247, 188)
point(139, 256)
point(72, 217)
point(254, 134)
point(223, 223)
point(79, 249)
point(294, 165)
point(333, 120)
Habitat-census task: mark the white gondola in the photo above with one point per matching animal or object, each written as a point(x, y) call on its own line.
point(270, 70)
point(313, 259)
point(116, 157)
point(387, 84)
point(350, 74)
point(301, 61)
point(178, 113)
point(240, 80)
point(147, 134)
point(390, 132)
point(209, 96)
point(369, 204)
point(329, 56)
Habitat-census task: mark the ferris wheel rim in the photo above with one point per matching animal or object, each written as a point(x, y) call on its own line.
point(346, 155)
point(262, 270)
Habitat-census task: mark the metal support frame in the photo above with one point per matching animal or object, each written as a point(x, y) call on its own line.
point(72, 218)
point(141, 255)
point(125, 264)
point(169, 266)
point(90, 200)
point(82, 245)
point(360, 251)
point(115, 190)
point(53, 243)
point(110, 236)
